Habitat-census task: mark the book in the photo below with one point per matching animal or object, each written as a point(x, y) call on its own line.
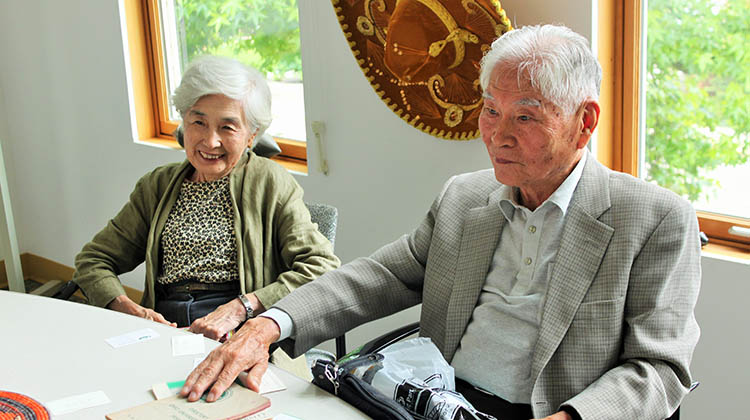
point(235, 403)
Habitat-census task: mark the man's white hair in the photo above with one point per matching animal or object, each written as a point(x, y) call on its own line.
point(558, 62)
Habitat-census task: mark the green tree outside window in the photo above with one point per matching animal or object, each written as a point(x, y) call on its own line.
point(697, 92)
point(261, 33)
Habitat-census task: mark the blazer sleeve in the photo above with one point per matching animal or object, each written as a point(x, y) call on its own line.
point(660, 329)
point(366, 289)
point(118, 248)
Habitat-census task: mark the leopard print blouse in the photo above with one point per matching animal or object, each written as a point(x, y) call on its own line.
point(198, 241)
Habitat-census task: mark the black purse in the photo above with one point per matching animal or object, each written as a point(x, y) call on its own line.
point(337, 380)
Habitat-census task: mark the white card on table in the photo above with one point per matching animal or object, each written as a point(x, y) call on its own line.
point(77, 402)
point(132, 337)
point(184, 345)
point(270, 383)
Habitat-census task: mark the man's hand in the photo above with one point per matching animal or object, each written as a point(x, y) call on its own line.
point(223, 319)
point(245, 351)
point(560, 415)
point(124, 304)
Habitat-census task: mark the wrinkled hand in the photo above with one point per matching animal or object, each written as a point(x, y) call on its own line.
point(124, 304)
point(247, 350)
point(223, 319)
point(560, 415)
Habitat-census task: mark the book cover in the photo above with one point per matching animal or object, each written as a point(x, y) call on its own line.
point(235, 403)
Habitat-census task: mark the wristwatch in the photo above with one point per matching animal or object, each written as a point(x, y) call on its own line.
point(249, 311)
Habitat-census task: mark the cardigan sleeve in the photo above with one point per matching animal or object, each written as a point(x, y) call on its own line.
point(302, 248)
point(118, 248)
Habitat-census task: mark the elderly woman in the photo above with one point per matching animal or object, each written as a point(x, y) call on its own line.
point(224, 234)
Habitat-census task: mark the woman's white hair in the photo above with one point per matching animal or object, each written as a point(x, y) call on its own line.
point(210, 75)
point(558, 62)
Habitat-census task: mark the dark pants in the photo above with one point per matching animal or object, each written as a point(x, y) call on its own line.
point(493, 405)
point(185, 307)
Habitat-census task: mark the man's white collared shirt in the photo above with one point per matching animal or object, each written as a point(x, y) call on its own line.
point(497, 347)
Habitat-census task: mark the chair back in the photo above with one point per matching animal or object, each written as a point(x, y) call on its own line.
point(326, 217)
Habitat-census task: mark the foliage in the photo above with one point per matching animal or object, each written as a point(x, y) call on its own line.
point(261, 33)
point(698, 85)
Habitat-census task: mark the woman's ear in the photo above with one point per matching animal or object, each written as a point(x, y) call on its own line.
point(250, 140)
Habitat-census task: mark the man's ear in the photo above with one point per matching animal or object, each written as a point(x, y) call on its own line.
point(589, 119)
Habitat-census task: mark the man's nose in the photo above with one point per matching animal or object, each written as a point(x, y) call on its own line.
point(500, 134)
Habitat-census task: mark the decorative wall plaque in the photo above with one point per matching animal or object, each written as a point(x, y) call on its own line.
point(422, 57)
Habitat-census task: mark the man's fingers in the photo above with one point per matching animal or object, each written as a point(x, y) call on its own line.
point(225, 379)
point(202, 377)
point(255, 375)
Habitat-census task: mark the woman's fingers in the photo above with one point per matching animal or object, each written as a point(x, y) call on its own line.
point(217, 323)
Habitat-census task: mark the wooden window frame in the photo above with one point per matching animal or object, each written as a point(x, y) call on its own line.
point(149, 85)
point(619, 49)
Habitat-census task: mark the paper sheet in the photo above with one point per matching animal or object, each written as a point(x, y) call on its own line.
point(132, 338)
point(77, 402)
point(184, 345)
point(270, 383)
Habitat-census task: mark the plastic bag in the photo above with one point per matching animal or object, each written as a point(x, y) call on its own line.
point(415, 374)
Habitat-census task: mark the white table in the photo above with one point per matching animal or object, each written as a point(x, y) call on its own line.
point(51, 349)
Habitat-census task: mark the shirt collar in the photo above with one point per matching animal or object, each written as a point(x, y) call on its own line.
point(561, 197)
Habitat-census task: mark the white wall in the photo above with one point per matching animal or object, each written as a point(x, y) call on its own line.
point(72, 163)
point(720, 361)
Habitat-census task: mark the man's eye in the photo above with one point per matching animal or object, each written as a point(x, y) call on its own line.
point(490, 111)
point(524, 118)
point(198, 122)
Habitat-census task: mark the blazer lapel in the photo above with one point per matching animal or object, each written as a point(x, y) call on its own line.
point(583, 244)
point(481, 233)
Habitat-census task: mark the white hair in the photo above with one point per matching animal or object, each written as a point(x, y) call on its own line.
point(210, 75)
point(558, 62)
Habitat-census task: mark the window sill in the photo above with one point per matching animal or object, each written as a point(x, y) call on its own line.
point(295, 166)
point(727, 253)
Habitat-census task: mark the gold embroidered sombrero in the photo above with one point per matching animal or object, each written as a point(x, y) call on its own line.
point(422, 57)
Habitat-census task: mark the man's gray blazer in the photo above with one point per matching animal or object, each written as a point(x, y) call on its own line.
point(617, 330)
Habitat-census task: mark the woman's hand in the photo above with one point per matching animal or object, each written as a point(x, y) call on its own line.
point(123, 304)
point(225, 318)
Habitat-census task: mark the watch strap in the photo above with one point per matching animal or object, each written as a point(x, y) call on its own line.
point(249, 311)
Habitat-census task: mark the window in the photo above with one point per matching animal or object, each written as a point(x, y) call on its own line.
point(164, 35)
point(678, 80)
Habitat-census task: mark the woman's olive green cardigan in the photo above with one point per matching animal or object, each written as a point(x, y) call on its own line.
point(279, 248)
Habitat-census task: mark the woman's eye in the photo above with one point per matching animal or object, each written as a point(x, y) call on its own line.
point(524, 118)
point(229, 127)
point(490, 111)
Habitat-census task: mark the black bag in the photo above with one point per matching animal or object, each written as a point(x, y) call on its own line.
point(337, 380)
point(412, 398)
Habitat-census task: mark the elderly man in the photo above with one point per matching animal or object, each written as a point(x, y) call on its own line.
point(554, 286)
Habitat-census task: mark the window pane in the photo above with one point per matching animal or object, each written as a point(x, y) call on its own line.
point(261, 33)
point(697, 90)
